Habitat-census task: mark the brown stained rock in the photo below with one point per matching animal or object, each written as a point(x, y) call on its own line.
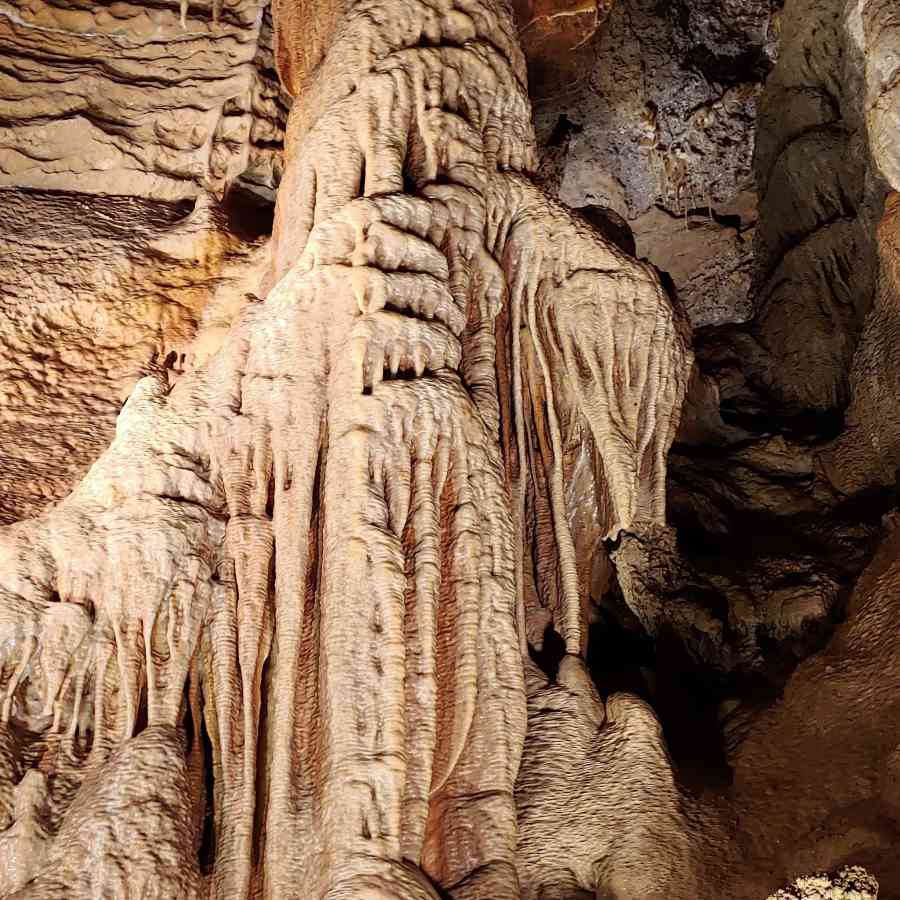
point(559, 40)
point(709, 261)
point(128, 831)
point(10, 774)
point(819, 204)
point(868, 454)
point(815, 781)
point(97, 290)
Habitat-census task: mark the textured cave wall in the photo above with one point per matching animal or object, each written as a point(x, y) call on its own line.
point(660, 128)
point(97, 291)
point(749, 149)
point(868, 454)
point(134, 102)
point(814, 777)
point(778, 488)
point(150, 101)
point(769, 538)
point(140, 149)
point(744, 148)
point(346, 444)
point(208, 115)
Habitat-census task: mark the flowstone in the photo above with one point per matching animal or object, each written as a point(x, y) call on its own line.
point(288, 609)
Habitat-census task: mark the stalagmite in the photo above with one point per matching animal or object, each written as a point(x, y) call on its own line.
point(324, 551)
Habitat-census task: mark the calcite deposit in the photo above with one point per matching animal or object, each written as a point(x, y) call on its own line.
point(851, 883)
point(322, 548)
point(374, 525)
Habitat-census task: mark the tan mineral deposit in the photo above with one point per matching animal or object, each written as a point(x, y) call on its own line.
point(370, 593)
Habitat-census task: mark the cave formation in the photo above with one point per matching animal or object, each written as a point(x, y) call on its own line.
point(503, 500)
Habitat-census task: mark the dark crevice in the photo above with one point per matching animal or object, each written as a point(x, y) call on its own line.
point(207, 850)
point(550, 654)
point(622, 657)
point(249, 215)
point(260, 808)
point(750, 66)
point(563, 130)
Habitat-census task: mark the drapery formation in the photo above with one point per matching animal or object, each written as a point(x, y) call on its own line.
point(292, 599)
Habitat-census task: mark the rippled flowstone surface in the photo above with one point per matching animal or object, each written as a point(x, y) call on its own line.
point(371, 523)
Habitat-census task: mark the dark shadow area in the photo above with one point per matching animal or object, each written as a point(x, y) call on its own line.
point(548, 657)
point(72, 217)
point(563, 131)
point(688, 710)
point(622, 657)
point(207, 850)
point(249, 215)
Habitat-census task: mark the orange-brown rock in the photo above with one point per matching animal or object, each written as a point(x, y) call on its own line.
point(557, 37)
point(98, 291)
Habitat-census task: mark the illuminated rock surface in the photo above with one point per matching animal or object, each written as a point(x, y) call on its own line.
point(423, 560)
